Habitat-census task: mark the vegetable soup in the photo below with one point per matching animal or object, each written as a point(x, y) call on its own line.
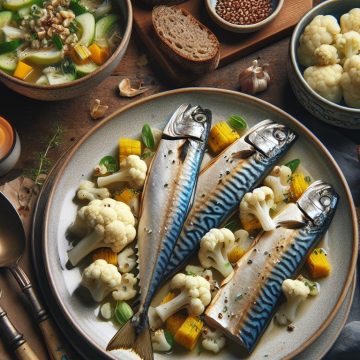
point(56, 41)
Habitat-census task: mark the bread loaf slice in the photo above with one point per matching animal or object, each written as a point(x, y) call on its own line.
point(185, 40)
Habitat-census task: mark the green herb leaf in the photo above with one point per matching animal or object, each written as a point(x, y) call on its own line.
point(9, 46)
point(169, 338)
point(110, 163)
point(237, 122)
point(293, 164)
point(233, 225)
point(147, 154)
point(67, 66)
point(57, 41)
point(147, 137)
point(77, 8)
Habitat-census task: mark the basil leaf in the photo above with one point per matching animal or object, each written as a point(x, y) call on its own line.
point(293, 164)
point(147, 137)
point(110, 163)
point(237, 122)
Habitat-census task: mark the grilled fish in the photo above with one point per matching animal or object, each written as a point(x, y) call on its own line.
point(253, 289)
point(167, 197)
point(225, 180)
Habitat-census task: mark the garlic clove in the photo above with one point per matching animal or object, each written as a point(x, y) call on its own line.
point(255, 78)
point(97, 110)
point(127, 91)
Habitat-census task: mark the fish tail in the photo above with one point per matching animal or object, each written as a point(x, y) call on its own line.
point(124, 338)
point(143, 345)
point(128, 338)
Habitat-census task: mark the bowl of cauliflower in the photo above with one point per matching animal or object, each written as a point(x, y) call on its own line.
point(324, 64)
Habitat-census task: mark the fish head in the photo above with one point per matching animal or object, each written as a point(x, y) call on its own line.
point(318, 202)
point(188, 122)
point(270, 138)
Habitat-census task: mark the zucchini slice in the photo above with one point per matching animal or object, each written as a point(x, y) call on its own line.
point(8, 62)
point(85, 69)
point(103, 27)
point(87, 25)
point(43, 57)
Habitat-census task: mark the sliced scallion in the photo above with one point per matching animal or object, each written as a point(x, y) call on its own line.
point(237, 122)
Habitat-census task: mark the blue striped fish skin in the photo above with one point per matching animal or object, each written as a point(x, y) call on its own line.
point(253, 290)
point(167, 197)
point(224, 182)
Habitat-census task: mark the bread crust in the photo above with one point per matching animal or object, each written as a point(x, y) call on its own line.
point(196, 66)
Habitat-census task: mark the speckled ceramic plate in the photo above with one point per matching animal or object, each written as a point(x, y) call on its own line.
point(87, 351)
point(276, 343)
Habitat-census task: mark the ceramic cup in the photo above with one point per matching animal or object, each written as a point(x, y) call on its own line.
point(9, 147)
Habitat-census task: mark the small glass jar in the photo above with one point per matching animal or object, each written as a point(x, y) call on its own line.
point(9, 147)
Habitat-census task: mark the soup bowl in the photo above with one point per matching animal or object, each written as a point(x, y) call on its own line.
point(80, 86)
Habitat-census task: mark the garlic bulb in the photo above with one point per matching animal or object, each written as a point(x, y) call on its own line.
point(255, 78)
point(127, 91)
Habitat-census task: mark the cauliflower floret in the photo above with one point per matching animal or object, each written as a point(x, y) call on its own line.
point(126, 290)
point(321, 30)
point(326, 55)
point(213, 340)
point(258, 204)
point(296, 292)
point(214, 247)
point(348, 44)
point(161, 341)
point(133, 171)
point(127, 260)
point(350, 81)
point(101, 278)
point(325, 80)
point(88, 191)
point(195, 296)
point(350, 21)
point(108, 223)
point(279, 181)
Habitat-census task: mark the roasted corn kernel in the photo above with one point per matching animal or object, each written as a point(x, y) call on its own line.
point(221, 136)
point(128, 147)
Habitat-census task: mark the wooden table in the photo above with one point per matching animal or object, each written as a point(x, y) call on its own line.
point(34, 121)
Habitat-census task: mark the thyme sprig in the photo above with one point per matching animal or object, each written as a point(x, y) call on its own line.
point(44, 163)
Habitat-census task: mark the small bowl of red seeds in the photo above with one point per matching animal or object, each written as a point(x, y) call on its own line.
point(243, 16)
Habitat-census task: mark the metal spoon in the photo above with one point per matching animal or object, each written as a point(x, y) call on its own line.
point(14, 339)
point(12, 246)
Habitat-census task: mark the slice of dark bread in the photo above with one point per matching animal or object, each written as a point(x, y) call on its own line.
point(185, 40)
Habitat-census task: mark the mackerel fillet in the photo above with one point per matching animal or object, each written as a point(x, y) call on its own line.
point(167, 197)
point(225, 180)
point(250, 294)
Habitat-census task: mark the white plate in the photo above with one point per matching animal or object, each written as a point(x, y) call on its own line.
point(102, 140)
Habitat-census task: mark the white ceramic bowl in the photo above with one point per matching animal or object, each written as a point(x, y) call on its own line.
point(325, 110)
point(210, 6)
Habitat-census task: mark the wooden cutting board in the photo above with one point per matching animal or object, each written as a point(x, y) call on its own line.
point(232, 45)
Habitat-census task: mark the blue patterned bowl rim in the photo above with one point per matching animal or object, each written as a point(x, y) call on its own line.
point(294, 43)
